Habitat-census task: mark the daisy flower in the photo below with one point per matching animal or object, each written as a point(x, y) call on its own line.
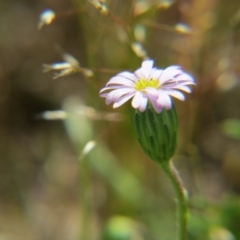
point(148, 84)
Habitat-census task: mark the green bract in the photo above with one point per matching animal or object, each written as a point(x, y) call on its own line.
point(156, 132)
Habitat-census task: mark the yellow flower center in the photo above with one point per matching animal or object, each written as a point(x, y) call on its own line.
point(143, 83)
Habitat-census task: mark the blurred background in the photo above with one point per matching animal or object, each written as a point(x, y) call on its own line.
point(70, 166)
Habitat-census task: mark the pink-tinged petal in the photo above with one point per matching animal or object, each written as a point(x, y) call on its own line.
point(153, 92)
point(121, 92)
point(108, 99)
point(169, 86)
point(128, 75)
point(156, 73)
point(169, 73)
point(174, 83)
point(185, 77)
point(157, 107)
point(110, 96)
point(146, 70)
point(176, 94)
point(103, 95)
point(164, 100)
point(112, 88)
point(141, 73)
point(121, 81)
point(183, 88)
point(115, 95)
point(115, 89)
point(136, 102)
point(122, 100)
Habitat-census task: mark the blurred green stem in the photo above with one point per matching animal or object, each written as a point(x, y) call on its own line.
point(181, 194)
point(85, 199)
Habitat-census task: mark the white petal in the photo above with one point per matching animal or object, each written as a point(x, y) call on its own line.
point(122, 100)
point(147, 65)
point(121, 92)
point(113, 88)
point(114, 95)
point(156, 73)
point(152, 91)
point(176, 94)
point(109, 99)
point(184, 88)
point(121, 81)
point(169, 87)
point(185, 77)
point(103, 95)
point(164, 100)
point(145, 71)
point(127, 75)
point(141, 73)
point(143, 104)
point(169, 73)
point(136, 102)
point(157, 107)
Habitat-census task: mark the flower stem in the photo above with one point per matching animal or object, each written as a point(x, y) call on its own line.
point(181, 194)
point(85, 199)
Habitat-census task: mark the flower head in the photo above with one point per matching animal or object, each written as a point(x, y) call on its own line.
point(69, 66)
point(46, 18)
point(148, 83)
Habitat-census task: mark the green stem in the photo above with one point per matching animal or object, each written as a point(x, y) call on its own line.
point(85, 199)
point(181, 194)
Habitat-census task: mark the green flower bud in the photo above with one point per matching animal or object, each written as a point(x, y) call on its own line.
point(156, 132)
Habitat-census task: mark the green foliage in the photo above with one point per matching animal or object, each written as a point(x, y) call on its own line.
point(231, 127)
point(120, 228)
